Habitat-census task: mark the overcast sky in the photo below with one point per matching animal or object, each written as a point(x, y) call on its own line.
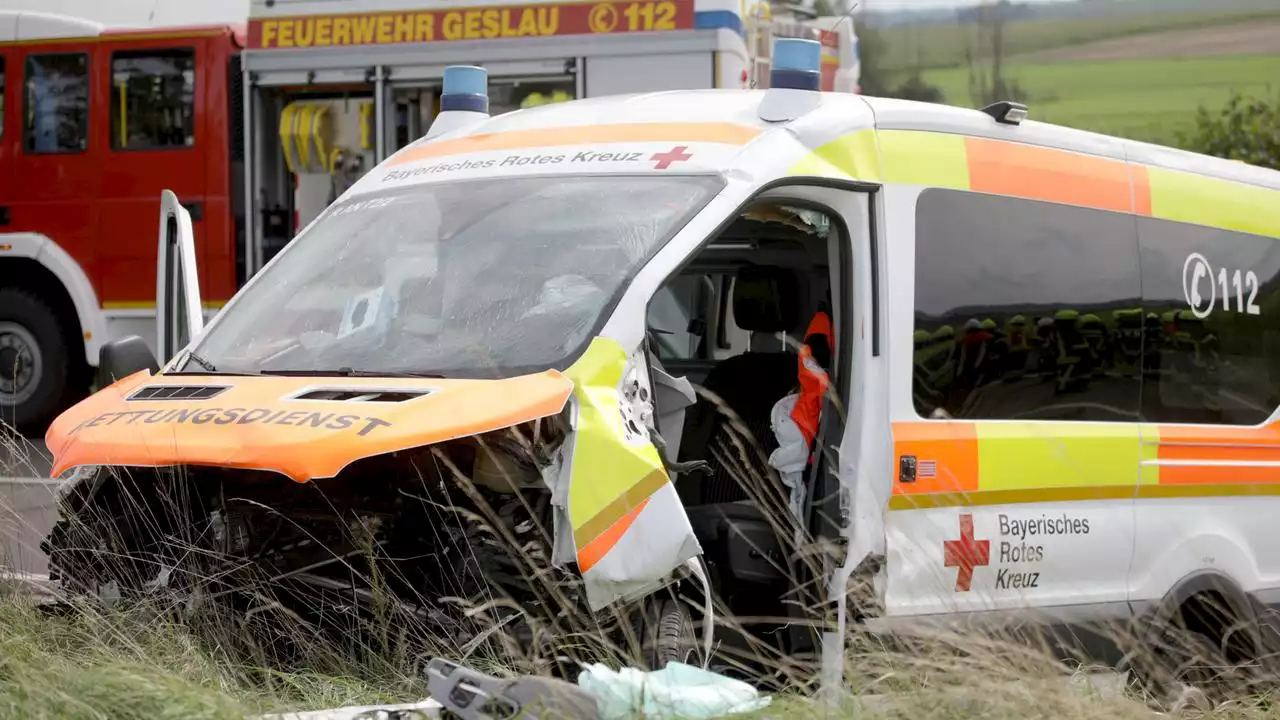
point(172, 12)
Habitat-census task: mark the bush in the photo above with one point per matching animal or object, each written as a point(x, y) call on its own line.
point(1245, 129)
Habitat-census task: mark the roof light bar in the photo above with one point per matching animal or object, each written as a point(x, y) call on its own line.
point(466, 88)
point(797, 64)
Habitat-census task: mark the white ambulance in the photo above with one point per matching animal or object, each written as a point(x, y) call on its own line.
point(1052, 370)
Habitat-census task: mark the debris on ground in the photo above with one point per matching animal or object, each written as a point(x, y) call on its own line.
point(676, 691)
point(460, 693)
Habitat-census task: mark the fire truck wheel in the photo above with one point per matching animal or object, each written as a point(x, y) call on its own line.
point(34, 362)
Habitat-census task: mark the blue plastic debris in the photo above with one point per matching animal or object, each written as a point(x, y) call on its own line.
point(676, 691)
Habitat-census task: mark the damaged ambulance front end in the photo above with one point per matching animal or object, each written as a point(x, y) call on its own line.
point(415, 412)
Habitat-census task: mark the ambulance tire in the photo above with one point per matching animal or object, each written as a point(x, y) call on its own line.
point(1191, 660)
point(669, 635)
point(31, 328)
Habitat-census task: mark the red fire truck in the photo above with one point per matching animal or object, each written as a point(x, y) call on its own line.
point(257, 129)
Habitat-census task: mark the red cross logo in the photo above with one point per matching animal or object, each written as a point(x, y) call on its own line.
point(674, 155)
point(966, 553)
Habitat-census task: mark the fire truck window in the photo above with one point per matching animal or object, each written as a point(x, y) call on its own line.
point(57, 103)
point(507, 96)
point(153, 99)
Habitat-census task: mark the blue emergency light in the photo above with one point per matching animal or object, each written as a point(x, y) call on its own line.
point(797, 64)
point(466, 88)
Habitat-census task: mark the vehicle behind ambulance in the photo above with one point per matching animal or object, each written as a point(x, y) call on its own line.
point(1043, 361)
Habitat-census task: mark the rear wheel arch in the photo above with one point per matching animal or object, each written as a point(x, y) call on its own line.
point(1208, 605)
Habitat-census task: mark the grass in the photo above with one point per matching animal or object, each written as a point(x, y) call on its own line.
point(139, 664)
point(138, 660)
point(1147, 100)
point(943, 46)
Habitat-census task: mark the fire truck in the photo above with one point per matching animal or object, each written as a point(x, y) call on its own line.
point(257, 128)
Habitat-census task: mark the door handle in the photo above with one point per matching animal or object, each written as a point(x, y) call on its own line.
point(195, 209)
point(4, 216)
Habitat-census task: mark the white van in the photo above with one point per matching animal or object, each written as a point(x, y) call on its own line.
point(1053, 375)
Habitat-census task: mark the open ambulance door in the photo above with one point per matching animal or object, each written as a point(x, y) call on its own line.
point(179, 314)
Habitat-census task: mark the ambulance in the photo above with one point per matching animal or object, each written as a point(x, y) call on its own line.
point(1048, 392)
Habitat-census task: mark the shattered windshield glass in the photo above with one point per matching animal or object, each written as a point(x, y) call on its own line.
point(485, 278)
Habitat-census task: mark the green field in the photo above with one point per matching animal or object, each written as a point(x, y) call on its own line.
point(1142, 99)
point(941, 46)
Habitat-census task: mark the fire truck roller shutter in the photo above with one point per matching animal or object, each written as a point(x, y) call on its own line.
point(30, 317)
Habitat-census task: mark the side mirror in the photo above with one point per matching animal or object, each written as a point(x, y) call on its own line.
point(124, 357)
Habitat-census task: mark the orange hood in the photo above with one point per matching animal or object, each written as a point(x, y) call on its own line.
point(258, 422)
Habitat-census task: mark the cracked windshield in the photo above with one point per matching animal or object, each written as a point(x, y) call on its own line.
point(461, 279)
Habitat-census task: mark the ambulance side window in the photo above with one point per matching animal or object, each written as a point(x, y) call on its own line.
point(1219, 361)
point(1025, 310)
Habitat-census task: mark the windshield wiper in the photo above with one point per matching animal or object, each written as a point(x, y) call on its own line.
point(351, 372)
point(192, 357)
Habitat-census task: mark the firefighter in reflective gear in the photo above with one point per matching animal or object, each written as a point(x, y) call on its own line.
point(795, 417)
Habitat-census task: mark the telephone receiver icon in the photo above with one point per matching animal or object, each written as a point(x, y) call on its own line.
point(1200, 272)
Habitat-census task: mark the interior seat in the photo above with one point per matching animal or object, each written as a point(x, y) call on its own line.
point(766, 302)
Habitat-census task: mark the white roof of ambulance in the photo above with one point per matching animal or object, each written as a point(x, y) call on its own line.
point(837, 114)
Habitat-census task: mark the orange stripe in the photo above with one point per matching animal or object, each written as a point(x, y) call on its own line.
point(953, 446)
point(1141, 190)
point(595, 550)
point(1037, 173)
point(1218, 445)
point(725, 133)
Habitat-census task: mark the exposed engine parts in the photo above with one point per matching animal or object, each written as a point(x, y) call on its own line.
point(449, 542)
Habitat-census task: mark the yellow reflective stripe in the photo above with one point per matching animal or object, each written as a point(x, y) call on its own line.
point(1080, 494)
point(1149, 471)
point(1212, 202)
point(609, 476)
point(849, 156)
point(1013, 456)
point(913, 157)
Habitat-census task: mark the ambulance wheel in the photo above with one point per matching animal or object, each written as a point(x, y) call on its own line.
point(35, 368)
point(670, 635)
point(1184, 659)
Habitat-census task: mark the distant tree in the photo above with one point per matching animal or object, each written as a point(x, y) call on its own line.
point(1245, 129)
point(915, 88)
point(826, 8)
point(872, 48)
point(874, 79)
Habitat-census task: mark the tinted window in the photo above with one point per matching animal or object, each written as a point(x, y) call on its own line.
point(153, 99)
point(1025, 309)
point(57, 103)
point(1212, 353)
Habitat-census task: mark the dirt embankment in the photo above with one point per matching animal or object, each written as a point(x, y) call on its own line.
point(1261, 37)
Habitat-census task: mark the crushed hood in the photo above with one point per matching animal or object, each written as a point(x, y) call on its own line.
point(270, 423)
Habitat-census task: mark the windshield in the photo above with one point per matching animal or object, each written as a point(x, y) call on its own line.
point(486, 278)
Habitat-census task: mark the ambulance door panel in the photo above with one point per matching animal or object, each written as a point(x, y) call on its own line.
point(648, 73)
point(1018, 462)
point(1210, 392)
point(156, 132)
point(179, 317)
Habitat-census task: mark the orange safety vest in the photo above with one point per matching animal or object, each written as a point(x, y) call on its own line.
point(813, 379)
